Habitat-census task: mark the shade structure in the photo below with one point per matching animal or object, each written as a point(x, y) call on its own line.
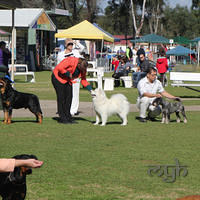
point(181, 40)
point(196, 39)
point(180, 51)
point(139, 40)
point(34, 18)
point(152, 38)
point(84, 30)
point(115, 39)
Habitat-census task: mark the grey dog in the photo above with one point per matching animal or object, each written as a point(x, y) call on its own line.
point(168, 108)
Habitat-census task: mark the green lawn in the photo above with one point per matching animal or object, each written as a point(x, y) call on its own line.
point(87, 162)
point(44, 89)
point(90, 162)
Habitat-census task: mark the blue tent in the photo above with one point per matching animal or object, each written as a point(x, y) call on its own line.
point(115, 39)
point(196, 39)
point(180, 51)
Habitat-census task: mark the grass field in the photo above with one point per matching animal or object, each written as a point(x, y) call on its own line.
point(87, 162)
point(90, 162)
point(44, 89)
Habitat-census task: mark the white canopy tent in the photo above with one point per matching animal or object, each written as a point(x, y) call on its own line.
point(31, 18)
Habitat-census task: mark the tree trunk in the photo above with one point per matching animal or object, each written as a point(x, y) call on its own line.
point(133, 16)
point(138, 30)
point(157, 19)
point(150, 26)
point(89, 10)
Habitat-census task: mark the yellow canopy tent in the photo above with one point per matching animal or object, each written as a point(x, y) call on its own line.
point(84, 30)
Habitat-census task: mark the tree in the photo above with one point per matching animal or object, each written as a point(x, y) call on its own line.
point(154, 10)
point(186, 28)
point(117, 16)
point(75, 7)
point(46, 4)
point(139, 27)
point(195, 4)
point(92, 10)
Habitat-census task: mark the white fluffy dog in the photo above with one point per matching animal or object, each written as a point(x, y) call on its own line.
point(105, 107)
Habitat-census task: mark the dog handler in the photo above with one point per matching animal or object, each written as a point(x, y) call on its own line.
point(8, 165)
point(62, 79)
point(73, 49)
point(150, 88)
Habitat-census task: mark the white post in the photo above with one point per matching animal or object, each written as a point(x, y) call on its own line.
point(198, 51)
point(100, 74)
point(190, 53)
point(101, 48)
point(13, 41)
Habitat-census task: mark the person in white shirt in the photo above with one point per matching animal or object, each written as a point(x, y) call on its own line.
point(73, 49)
point(150, 88)
point(135, 55)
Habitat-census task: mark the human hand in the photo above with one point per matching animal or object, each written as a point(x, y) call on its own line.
point(32, 163)
point(158, 95)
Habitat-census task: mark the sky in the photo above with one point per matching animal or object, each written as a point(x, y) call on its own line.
point(172, 3)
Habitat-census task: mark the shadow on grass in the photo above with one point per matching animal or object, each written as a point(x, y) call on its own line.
point(114, 123)
point(21, 81)
point(23, 121)
point(75, 118)
point(87, 120)
point(107, 123)
point(190, 97)
point(158, 120)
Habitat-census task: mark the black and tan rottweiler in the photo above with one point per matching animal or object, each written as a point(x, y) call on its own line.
point(13, 184)
point(12, 99)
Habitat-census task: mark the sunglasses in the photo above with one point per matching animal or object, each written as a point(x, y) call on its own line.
point(69, 44)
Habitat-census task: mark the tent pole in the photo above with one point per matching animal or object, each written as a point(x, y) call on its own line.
point(102, 48)
point(190, 53)
point(13, 40)
point(198, 51)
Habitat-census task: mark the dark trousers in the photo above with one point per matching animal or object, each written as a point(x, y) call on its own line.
point(117, 76)
point(64, 98)
point(137, 76)
point(161, 78)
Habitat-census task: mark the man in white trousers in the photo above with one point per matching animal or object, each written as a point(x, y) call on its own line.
point(150, 88)
point(73, 49)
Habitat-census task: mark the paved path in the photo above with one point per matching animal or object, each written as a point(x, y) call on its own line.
point(49, 109)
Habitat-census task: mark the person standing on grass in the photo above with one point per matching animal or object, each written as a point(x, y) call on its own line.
point(162, 65)
point(72, 49)
point(5, 55)
point(62, 78)
point(150, 88)
point(129, 52)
